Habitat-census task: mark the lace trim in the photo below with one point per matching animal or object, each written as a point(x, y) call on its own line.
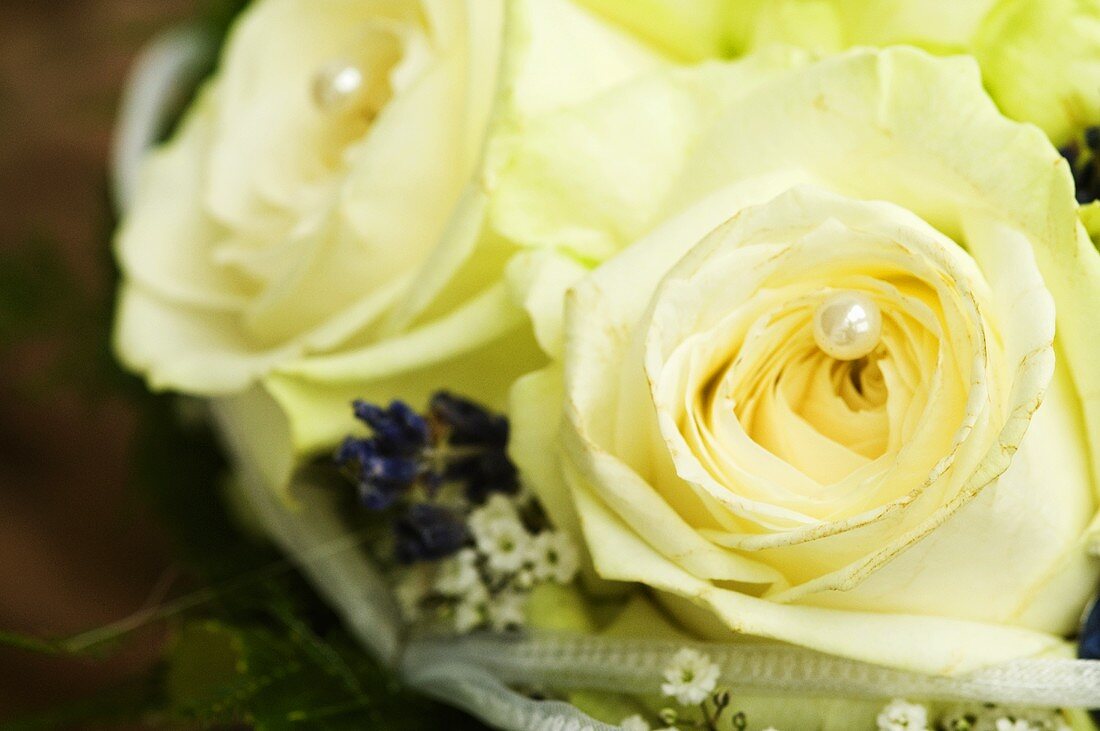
point(569, 662)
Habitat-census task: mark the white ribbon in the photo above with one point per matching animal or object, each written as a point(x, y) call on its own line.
point(572, 662)
point(160, 78)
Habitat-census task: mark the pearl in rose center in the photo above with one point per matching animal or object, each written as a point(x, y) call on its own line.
point(847, 325)
point(337, 85)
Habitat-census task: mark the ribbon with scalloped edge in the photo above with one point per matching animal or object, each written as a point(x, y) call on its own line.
point(575, 662)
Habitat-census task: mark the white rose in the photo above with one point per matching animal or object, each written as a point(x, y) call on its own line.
point(314, 232)
point(926, 506)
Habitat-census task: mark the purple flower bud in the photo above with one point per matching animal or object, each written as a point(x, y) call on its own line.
point(428, 533)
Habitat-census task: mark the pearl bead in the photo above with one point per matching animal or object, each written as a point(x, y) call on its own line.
point(337, 85)
point(847, 325)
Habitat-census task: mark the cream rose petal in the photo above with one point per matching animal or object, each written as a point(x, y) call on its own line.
point(920, 643)
point(267, 76)
point(193, 351)
point(691, 29)
point(533, 82)
point(612, 186)
point(533, 445)
point(166, 244)
point(1025, 520)
point(460, 352)
point(831, 25)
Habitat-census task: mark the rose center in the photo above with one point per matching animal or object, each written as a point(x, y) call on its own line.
point(352, 89)
point(825, 415)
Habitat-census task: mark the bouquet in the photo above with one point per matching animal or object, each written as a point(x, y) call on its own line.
point(701, 364)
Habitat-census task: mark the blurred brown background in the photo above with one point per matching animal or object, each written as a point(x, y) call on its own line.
point(77, 548)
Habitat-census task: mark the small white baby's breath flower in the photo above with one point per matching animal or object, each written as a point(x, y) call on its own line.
point(523, 580)
point(554, 557)
point(634, 723)
point(691, 677)
point(984, 717)
point(496, 508)
point(508, 610)
point(1031, 721)
point(504, 543)
point(1008, 724)
point(901, 715)
point(472, 611)
point(457, 574)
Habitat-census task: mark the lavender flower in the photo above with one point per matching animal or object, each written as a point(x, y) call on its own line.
point(428, 533)
point(478, 439)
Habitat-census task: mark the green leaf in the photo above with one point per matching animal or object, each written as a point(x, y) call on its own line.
point(268, 679)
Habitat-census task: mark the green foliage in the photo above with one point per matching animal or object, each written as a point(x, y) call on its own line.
point(287, 675)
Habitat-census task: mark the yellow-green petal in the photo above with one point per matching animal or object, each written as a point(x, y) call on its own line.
point(1041, 62)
